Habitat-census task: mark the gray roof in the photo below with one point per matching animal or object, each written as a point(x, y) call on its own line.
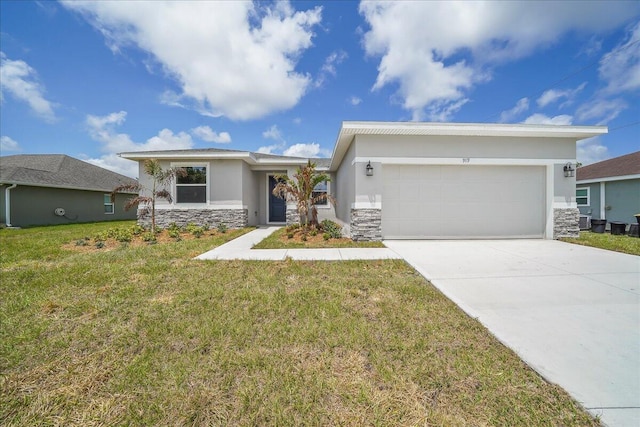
point(60, 171)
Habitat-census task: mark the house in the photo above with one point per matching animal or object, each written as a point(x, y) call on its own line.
point(398, 181)
point(610, 189)
point(47, 189)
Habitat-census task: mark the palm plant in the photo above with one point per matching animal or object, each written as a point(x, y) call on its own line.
point(300, 190)
point(159, 178)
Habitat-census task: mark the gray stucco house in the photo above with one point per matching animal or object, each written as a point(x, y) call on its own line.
point(399, 180)
point(610, 189)
point(49, 189)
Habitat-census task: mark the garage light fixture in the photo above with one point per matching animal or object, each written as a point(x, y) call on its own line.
point(569, 171)
point(369, 169)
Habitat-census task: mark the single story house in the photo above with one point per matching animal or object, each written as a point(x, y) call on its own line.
point(49, 189)
point(610, 189)
point(398, 181)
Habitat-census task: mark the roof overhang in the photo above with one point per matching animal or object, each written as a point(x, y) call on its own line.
point(607, 179)
point(63, 187)
point(246, 156)
point(349, 130)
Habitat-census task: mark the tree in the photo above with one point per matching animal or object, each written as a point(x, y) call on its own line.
point(299, 189)
point(160, 178)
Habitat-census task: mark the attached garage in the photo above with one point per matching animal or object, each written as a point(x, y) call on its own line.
point(448, 202)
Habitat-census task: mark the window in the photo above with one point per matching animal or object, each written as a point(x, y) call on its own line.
point(108, 206)
point(319, 189)
point(192, 188)
point(582, 196)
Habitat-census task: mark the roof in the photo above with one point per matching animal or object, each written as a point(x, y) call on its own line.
point(250, 157)
point(623, 166)
point(351, 129)
point(59, 171)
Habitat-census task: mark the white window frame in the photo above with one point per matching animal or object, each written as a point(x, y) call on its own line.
point(328, 204)
point(105, 203)
point(581, 197)
point(175, 183)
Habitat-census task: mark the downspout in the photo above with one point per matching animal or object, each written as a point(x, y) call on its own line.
point(7, 204)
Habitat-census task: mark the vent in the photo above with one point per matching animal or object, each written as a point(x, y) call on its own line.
point(59, 211)
point(585, 222)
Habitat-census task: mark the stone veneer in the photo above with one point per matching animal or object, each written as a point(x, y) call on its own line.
point(566, 222)
point(232, 218)
point(293, 216)
point(366, 224)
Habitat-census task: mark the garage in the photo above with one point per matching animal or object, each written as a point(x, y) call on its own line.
point(467, 201)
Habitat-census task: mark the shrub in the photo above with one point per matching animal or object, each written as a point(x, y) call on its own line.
point(81, 242)
point(175, 234)
point(124, 235)
point(326, 236)
point(334, 230)
point(137, 229)
point(149, 237)
point(173, 227)
point(100, 245)
point(222, 227)
point(290, 235)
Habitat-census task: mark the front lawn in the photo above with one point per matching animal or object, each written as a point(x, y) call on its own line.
point(145, 335)
point(283, 239)
point(624, 244)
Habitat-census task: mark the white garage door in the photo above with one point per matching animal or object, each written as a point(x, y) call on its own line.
point(440, 202)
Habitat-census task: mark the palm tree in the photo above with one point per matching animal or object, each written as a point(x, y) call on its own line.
point(300, 190)
point(160, 178)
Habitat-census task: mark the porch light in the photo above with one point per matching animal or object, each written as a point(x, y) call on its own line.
point(369, 169)
point(569, 171)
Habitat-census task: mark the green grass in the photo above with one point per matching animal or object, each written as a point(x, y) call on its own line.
point(279, 240)
point(148, 336)
point(624, 244)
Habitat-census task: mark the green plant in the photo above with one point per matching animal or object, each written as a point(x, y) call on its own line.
point(149, 237)
point(123, 235)
point(326, 236)
point(173, 227)
point(137, 229)
point(222, 227)
point(289, 235)
point(173, 233)
point(81, 242)
point(300, 189)
point(334, 230)
point(100, 244)
point(160, 178)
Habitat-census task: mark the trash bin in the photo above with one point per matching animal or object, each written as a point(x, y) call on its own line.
point(634, 230)
point(618, 228)
point(598, 225)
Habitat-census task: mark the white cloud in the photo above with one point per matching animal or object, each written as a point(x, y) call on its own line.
point(21, 81)
point(207, 134)
point(234, 59)
point(329, 66)
point(305, 150)
point(8, 144)
point(541, 119)
point(521, 106)
point(600, 110)
point(436, 52)
point(620, 68)
point(273, 133)
point(553, 95)
point(354, 100)
point(103, 130)
point(591, 151)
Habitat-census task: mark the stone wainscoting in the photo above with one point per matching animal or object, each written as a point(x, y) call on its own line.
point(566, 223)
point(293, 216)
point(366, 224)
point(232, 218)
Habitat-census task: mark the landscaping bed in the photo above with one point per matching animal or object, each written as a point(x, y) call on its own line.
point(295, 237)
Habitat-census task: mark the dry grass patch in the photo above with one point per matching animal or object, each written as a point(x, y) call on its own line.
point(147, 336)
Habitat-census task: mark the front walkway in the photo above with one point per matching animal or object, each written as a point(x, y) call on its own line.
point(240, 248)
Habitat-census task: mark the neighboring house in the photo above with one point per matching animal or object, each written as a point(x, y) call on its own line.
point(46, 189)
point(610, 189)
point(398, 180)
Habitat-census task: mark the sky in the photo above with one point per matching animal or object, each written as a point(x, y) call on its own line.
point(93, 79)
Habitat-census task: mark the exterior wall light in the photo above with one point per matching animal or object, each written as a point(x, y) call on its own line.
point(569, 171)
point(369, 169)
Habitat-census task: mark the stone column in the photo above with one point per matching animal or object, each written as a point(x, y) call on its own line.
point(366, 224)
point(566, 222)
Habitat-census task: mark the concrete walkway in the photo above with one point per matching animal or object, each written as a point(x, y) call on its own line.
point(240, 248)
point(571, 312)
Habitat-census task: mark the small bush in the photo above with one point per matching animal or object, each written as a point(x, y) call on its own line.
point(326, 236)
point(304, 237)
point(123, 235)
point(313, 232)
point(333, 229)
point(81, 242)
point(100, 245)
point(175, 234)
point(292, 227)
point(222, 227)
point(137, 229)
point(290, 235)
point(149, 237)
point(173, 227)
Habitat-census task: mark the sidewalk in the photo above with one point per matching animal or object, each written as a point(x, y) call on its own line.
point(240, 248)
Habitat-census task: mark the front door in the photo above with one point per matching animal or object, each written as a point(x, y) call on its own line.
point(277, 206)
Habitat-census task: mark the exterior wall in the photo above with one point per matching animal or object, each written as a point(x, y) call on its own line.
point(366, 224)
point(232, 218)
point(344, 186)
point(565, 223)
point(250, 194)
point(32, 206)
point(622, 200)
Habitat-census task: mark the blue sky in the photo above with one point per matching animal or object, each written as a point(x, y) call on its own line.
point(97, 78)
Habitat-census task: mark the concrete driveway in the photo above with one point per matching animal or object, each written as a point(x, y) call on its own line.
point(571, 312)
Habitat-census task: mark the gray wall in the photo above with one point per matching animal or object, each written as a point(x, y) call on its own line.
point(250, 197)
point(594, 200)
point(622, 200)
point(344, 187)
point(35, 206)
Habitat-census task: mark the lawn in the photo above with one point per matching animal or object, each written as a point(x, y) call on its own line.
point(144, 335)
point(280, 240)
point(624, 244)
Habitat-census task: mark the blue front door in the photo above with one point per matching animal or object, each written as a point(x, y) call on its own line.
point(277, 206)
